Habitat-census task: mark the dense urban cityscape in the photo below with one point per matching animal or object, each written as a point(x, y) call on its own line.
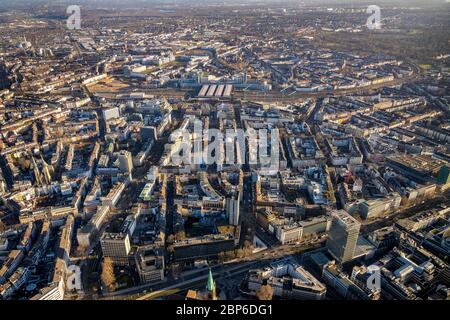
point(270, 150)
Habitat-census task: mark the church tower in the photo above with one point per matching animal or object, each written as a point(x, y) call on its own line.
point(211, 287)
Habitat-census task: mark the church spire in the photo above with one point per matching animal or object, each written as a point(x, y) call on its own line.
point(211, 286)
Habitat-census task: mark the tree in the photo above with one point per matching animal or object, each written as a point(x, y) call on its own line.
point(265, 292)
point(248, 248)
point(24, 164)
point(181, 235)
point(221, 257)
point(247, 244)
point(108, 277)
point(170, 239)
point(169, 242)
point(230, 255)
point(240, 254)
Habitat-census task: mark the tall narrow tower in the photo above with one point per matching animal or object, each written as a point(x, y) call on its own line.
point(343, 236)
point(211, 286)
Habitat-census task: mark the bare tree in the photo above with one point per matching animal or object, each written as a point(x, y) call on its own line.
point(108, 277)
point(170, 239)
point(265, 292)
point(24, 164)
point(181, 235)
point(169, 242)
point(230, 255)
point(248, 248)
point(221, 257)
point(240, 253)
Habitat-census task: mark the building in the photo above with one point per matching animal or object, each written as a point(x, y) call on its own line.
point(53, 292)
point(343, 236)
point(111, 113)
point(203, 247)
point(209, 293)
point(315, 225)
point(3, 243)
point(125, 161)
point(86, 234)
point(288, 281)
point(376, 207)
point(13, 260)
point(116, 246)
point(233, 208)
point(148, 133)
point(334, 277)
point(150, 263)
point(420, 168)
point(113, 196)
point(444, 175)
point(289, 233)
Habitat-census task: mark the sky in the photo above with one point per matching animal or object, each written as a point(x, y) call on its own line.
point(137, 3)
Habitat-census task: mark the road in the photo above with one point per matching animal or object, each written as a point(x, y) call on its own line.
point(230, 270)
point(200, 281)
point(405, 213)
point(183, 282)
point(193, 279)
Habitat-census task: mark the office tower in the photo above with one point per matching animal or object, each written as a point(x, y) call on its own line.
point(343, 236)
point(233, 208)
point(150, 263)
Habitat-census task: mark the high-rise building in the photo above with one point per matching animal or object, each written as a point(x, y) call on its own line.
point(150, 263)
point(233, 208)
point(343, 236)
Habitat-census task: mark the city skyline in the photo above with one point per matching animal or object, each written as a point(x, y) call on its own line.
point(248, 152)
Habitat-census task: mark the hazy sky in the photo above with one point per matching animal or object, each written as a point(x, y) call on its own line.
point(137, 3)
